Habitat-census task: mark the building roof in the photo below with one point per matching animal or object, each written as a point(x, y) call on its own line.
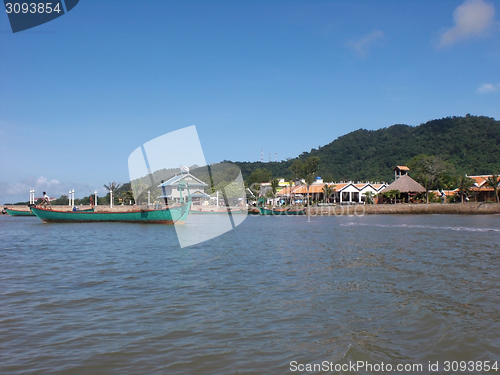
point(189, 179)
point(337, 187)
point(405, 184)
point(199, 194)
point(375, 187)
point(313, 188)
point(481, 181)
point(401, 168)
point(378, 186)
point(448, 193)
point(284, 191)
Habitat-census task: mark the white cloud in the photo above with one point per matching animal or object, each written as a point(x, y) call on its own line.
point(19, 191)
point(472, 19)
point(487, 88)
point(43, 183)
point(13, 189)
point(363, 45)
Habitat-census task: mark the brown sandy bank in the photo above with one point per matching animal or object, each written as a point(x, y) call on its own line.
point(370, 209)
point(409, 209)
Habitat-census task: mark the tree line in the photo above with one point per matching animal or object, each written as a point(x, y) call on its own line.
point(439, 154)
point(471, 144)
point(431, 171)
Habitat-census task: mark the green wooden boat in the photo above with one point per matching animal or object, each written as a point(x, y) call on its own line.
point(87, 210)
point(253, 211)
point(171, 215)
point(282, 211)
point(12, 212)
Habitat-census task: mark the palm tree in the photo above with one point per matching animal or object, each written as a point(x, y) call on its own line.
point(309, 179)
point(425, 180)
point(274, 188)
point(392, 194)
point(327, 193)
point(368, 197)
point(310, 167)
point(112, 186)
point(464, 184)
point(128, 196)
point(255, 189)
point(493, 182)
point(290, 183)
point(138, 188)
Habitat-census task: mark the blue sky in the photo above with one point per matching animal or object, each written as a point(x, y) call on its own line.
point(79, 94)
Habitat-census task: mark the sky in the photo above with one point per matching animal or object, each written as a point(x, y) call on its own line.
point(80, 93)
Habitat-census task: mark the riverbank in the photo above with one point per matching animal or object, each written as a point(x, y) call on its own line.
point(410, 209)
point(369, 209)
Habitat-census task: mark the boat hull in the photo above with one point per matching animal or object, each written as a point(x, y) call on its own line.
point(169, 216)
point(12, 212)
point(279, 212)
point(253, 211)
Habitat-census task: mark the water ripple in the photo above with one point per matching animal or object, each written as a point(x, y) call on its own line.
point(125, 299)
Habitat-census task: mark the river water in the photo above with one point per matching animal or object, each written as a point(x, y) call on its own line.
point(270, 297)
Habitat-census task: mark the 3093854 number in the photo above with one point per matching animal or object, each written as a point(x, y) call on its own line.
point(471, 366)
point(32, 8)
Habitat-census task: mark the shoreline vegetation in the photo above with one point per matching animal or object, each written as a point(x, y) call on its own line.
point(467, 144)
point(470, 208)
point(440, 155)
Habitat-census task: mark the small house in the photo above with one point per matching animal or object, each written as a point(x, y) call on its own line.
point(170, 188)
point(407, 187)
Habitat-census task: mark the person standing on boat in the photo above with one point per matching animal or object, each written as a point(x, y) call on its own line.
point(45, 200)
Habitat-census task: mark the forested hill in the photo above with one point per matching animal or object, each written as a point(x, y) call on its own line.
point(471, 144)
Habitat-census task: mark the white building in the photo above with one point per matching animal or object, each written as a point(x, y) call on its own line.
point(343, 192)
point(170, 188)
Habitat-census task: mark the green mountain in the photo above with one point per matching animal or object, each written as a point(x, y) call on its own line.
point(471, 144)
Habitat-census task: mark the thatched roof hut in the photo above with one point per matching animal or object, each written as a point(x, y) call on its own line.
point(405, 184)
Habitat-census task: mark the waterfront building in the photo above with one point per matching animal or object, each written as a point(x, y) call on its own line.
point(343, 192)
point(407, 187)
point(170, 188)
point(482, 192)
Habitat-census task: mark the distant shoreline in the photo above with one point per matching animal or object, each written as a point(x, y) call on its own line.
point(471, 208)
point(358, 210)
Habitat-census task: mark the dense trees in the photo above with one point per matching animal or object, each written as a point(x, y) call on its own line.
point(471, 144)
point(139, 189)
point(437, 152)
point(430, 171)
point(327, 193)
point(305, 170)
point(297, 169)
point(259, 176)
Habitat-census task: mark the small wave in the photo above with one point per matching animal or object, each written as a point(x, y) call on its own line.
point(465, 229)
